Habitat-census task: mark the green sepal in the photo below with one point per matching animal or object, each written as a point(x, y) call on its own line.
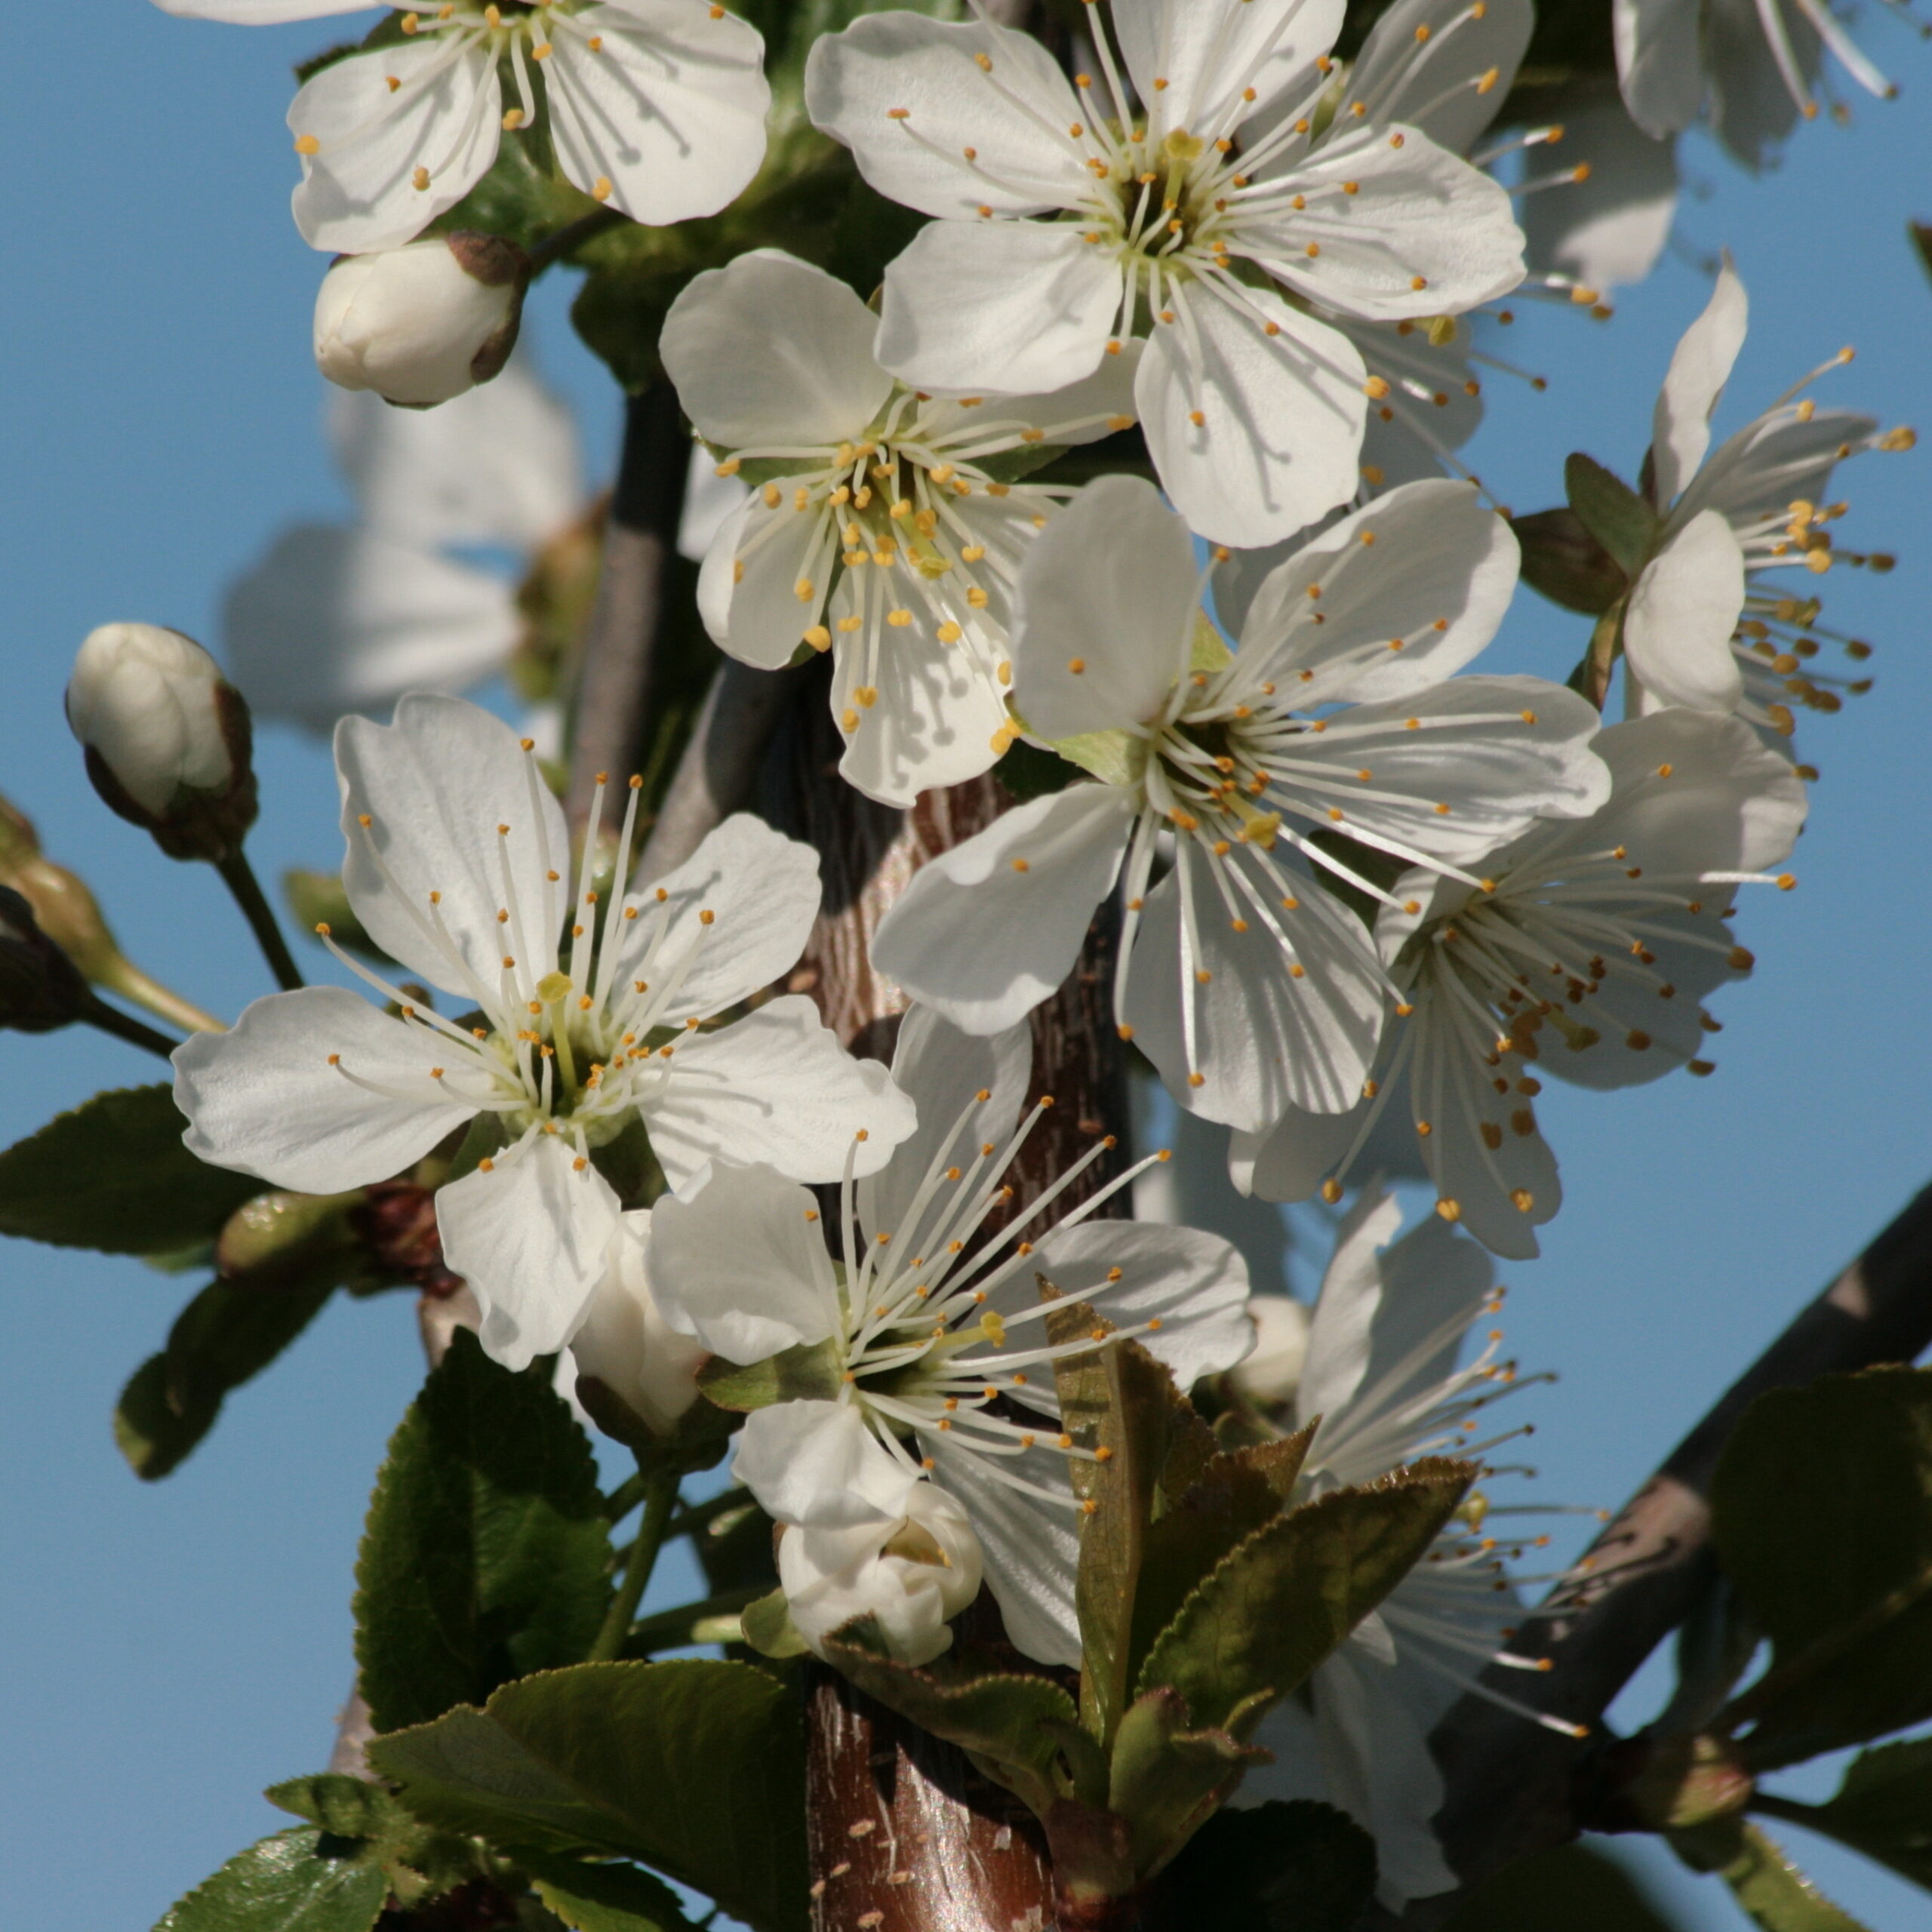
point(1303, 1867)
point(1282, 1599)
point(487, 1553)
point(766, 1625)
point(1774, 1894)
point(298, 1881)
point(227, 1336)
point(1611, 512)
point(694, 1766)
point(1115, 758)
point(812, 1372)
point(604, 1898)
point(113, 1176)
point(1565, 562)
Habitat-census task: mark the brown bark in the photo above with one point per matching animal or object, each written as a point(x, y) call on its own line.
point(905, 1835)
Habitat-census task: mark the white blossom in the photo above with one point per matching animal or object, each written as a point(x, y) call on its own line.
point(588, 1020)
point(1252, 407)
point(881, 529)
point(655, 107)
point(1381, 1384)
point(1251, 987)
point(1605, 230)
point(1590, 960)
point(624, 1342)
point(930, 1328)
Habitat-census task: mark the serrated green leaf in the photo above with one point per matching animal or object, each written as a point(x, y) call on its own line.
point(1302, 1867)
point(1883, 1809)
point(1573, 1887)
point(1283, 1598)
point(487, 1554)
point(113, 1176)
point(1167, 1779)
point(695, 1768)
point(418, 1861)
point(1775, 1895)
point(605, 1898)
point(227, 1335)
point(1847, 1605)
point(1611, 512)
point(1566, 564)
point(285, 1884)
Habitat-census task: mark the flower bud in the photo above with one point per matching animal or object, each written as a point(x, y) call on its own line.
point(168, 738)
point(1271, 1374)
point(626, 1344)
point(422, 323)
point(41, 989)
point(912, 1574)
point(65, 909)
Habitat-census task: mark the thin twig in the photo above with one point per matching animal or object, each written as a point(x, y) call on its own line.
point(239, 877)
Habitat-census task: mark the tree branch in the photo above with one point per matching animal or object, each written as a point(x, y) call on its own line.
point(620, 646)
point(1514, 1788)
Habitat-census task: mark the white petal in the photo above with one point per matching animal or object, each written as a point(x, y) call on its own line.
point(1772, 462)
point(710, 502)
point(334, 620)
point(261, 13)
point(1450, 80)
point(1607, 231)
point(1190, 58)
point(626, 1342)
point(940, 1069)
point(1682, 612)
point(749, 589)
point(1264, 1039)
point(1435, 402)
point(1010, 305)
point(1030, 1546)
point(1289, 1732)
point(1281, 415)
point(776, 1087)
point(1110, 586)
point(739, 1261)
point(1428, 564)
point(529, 1236)
point(500, 464)
point(1194, 1284)
point(1699, 367)
point(359, 193)
point(263, 1098)
point(436, 784)
point(762, 890)
point(817, 1463)
point(772, 351)
point(1424, 233)
point(1752, 107)
point(1340, 1334)
point(907, 96)
point(1082, 412)
point(1660, 64)
point(666, 118)
point(981, 942)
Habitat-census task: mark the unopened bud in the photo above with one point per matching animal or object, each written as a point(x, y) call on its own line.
point(64, 908)
point(1272, 1372)
point(422, 323)
point(168, 738)
point(626, 1344)
point(41, 989)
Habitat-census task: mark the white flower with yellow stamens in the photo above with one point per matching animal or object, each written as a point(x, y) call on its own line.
point(1701, 630)
point(1185, 211)
point(1251, 987)
point(1588, 960)
point(656, 107)
point(930, 1328)
point(1381, 1384)
point(880, 528)
point(587, 1018)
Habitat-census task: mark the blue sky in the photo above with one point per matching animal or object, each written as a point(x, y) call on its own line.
point(172, 1650)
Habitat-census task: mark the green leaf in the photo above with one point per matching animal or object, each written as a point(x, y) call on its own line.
point(487, 1554)
point(1822, 1519)
point(605, 1898)
point(1302, 1867)
point(417, 1861)
point(1167, 1779)
point(1284, 1598)
point(1019, 1730)
point(1774, 1894)
point(1611, 512)
point(1883, 1809)
point(767, 1627)
point(293, 1882)
point(228, 1334)
point(1563, 560)
point(113, 1176)
point(1573, 1887)
point(695, 1768)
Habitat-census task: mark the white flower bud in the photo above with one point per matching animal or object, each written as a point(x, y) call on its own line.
point(626, 1344)
point(1272, 1372)
point(168, 737)
point(421, 324)
point(912, 1574)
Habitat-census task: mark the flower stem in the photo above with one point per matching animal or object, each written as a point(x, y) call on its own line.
point(131, 983)
point(572, 234)
point(660, 1498)
point(671, 1629)
point(125, 1026)
point(239, 877)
